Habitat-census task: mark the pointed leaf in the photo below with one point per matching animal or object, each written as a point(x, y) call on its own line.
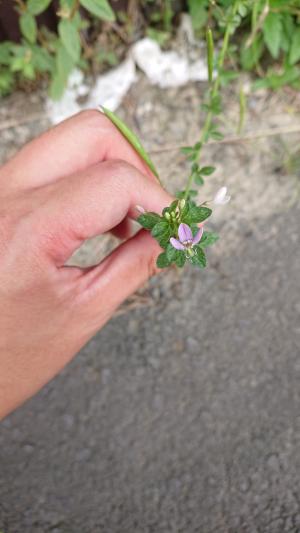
point(272, 31)
point(35, 7)
point(207, 171)
point(148, 220)
point(70, 38)
point(99, 8)
point(180, 259)
point(160, 228)
point(162, 261)
point(295, 47)
point(198, 214)
point(208, 238)
point(199, 258)
point(28, 27)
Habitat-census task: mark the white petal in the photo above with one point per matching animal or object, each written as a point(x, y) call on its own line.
point(221, 197)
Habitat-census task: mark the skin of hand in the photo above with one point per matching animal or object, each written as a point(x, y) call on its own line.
point(79, 179)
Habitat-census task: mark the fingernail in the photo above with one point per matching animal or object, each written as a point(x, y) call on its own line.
point(140, 209)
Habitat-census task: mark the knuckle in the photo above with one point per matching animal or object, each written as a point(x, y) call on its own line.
point(120, 176)
point(119, 166)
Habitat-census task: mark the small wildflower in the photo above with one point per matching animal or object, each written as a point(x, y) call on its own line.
point(185, 240)
point(221, 197)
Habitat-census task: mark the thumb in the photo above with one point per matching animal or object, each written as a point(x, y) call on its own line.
point(107, 285)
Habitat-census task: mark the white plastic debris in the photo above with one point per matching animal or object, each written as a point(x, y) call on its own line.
point(68, 105)
point(167, 69)
point(109, 90)
point(221, 197)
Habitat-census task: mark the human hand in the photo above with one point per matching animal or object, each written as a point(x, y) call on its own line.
point(78, 180)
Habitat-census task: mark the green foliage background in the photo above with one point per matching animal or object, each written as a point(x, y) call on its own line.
point(91, 35)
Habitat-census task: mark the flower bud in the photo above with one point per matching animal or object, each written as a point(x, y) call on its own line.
point(221, 198)
point(167, 216)
point(182, 203)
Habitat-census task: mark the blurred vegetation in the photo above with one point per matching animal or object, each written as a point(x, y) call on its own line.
point(92, 36)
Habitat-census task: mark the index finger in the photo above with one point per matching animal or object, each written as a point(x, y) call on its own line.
point(73, 145)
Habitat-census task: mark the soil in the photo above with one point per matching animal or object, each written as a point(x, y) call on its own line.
point(182, 414)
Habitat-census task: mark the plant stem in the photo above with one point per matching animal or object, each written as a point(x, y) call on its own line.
point(214, 90)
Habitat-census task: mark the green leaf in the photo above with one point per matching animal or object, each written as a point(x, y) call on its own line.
point(35, 7)
point(243, 10)
point(99, 8)
point(28, 26)
point(199, 258)
point(287, 32)
point(64, 63)
point(294, 55)
point(216, 135)
point(198, 12)
point(6, 81)
point(28, 71)
point(207, 171)
point(250, 55)
point(161, 37)
point(198, 179)
point(57, 86)
point(272, 31)
point(175, 256)
point(181, 194)
point(5, 53)
point(70, 38)
point(226, 76)
point(180, 259)
point(198, 214)
point(162, 261)
point(278, 3)
point(187, 150)
point(191, 152)
point(162, 233)
point(172, 253)
point(208, 238)
point(160, 228)
point(173, 206)
point(148, 220)
point(131, 138)
point(42, 60)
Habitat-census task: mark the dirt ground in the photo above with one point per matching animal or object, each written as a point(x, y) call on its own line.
point(182, 414)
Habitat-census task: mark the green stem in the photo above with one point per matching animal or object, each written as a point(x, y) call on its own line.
point(214, 90)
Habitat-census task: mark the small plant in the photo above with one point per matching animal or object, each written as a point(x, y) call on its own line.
point(44, 53)
point(267, 42)
point(179, 228)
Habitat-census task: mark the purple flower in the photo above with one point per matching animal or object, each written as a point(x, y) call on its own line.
point(186, 240)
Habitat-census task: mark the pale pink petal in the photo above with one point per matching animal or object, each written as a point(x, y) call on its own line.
point(185, 233)
point(176, 244)
point(198, 236)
